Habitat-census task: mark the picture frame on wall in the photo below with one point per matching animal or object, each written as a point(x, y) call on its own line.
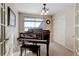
point(11, 17)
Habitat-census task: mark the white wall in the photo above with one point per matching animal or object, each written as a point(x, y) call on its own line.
point(60, 29)
point(63, 27)
point(11, 32)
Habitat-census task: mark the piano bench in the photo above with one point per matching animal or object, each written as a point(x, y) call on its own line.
point(33, 48)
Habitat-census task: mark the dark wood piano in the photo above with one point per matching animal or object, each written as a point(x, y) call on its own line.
point(36, 36)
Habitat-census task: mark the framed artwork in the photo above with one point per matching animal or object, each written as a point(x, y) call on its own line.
point(11, 17)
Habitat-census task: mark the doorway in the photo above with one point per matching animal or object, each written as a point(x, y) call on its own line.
point(2, 29)
point(77, 30)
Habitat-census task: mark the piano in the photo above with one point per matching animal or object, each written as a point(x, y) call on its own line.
point(36, 36)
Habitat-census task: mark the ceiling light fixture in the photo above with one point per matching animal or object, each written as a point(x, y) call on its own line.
point(44, 10)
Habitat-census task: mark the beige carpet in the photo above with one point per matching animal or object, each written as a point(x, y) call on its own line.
point(54, 50)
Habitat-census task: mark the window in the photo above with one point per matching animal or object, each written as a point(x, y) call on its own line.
point(30, 23)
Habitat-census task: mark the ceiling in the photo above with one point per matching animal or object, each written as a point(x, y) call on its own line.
point(35, 8)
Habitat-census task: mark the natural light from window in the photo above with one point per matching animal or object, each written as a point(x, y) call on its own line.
point(30, 23)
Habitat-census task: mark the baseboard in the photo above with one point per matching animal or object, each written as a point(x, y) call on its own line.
point(70, 49)
point(65, 47)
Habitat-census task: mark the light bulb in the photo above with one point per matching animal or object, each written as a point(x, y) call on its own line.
point(41, 13)
point(47, 11)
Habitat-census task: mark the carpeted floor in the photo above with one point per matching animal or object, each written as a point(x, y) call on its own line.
point(54, 50)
